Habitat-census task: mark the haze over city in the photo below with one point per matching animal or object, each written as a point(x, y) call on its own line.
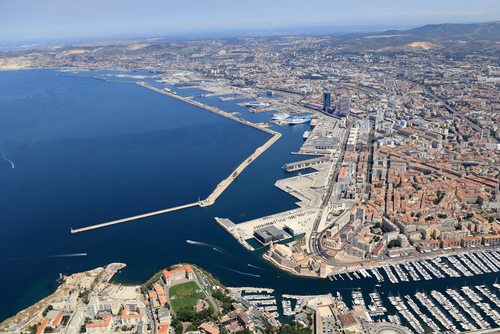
point(30, 19)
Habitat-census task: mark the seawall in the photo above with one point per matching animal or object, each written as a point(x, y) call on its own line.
point(220, 187)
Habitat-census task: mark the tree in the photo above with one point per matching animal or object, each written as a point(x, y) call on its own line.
point(178, 328)
point(191, 328)
point(393, 243)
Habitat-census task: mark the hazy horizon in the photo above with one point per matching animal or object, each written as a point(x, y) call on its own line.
point(58, 19)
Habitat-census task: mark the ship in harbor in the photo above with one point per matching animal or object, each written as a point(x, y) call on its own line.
point(314, 122)
point(299, 121)
point(168, 80)
point(166, 90)
point(306, 134)
point(257, 104)
point(280, 116)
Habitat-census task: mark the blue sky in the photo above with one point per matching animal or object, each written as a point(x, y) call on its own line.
point(26, 19)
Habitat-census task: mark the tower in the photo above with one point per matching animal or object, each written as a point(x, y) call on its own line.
point(327, 98)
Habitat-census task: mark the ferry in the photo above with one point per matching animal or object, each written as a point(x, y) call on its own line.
point(280, 116)
point(299, 121)
point(306, 134)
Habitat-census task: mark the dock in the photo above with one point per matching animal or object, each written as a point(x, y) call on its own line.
point(221, 186)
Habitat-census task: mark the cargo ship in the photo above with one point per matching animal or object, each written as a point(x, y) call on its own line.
point(299, 121)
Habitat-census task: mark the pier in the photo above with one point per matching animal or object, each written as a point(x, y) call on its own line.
point(221, 186)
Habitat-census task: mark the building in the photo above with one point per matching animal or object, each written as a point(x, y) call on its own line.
point(294, 228)
point(345, 106)
point(470, 242)
point(208, 329)
point(327, 100)
point(490, 240)
point(267, 234)
point(164, 315)
point(173, 275)
point(99, 327)
point(430, 245)
point(450, 243)
point(132, 319)
point(347, 320)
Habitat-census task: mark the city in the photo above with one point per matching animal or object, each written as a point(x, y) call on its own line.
point(400, 174)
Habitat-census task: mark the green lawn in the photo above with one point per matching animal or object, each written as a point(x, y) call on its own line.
point(186, 295)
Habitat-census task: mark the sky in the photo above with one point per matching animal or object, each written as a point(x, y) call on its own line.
point(33, 19)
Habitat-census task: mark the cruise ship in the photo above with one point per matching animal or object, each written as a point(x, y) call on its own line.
point(299, 121)
point(280, 116)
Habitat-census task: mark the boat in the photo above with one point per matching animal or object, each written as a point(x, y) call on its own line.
point(314, 122)
point(378, 285)
point(167, 90)
point(280, 116)
point(256, 104)
point(306, 134)
point(189, 241)
point(299, 121)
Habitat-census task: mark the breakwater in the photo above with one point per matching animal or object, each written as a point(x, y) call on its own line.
point(220, 187)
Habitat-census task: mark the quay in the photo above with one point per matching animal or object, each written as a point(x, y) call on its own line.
point(220, 187)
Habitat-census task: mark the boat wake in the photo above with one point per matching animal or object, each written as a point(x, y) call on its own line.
point(204, 244)
point(68, 255)
point(251, 265)
point(12, 164)
point(242, 273)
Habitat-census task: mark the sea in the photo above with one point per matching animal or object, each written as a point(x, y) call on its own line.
point(76, 151)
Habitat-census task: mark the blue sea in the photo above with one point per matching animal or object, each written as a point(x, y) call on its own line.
point(86, 151)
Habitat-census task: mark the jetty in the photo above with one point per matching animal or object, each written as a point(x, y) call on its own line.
point(220, 187)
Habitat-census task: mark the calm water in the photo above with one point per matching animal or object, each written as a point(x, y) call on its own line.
point(87, 151)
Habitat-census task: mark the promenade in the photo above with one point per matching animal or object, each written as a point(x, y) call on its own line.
point(221, 186)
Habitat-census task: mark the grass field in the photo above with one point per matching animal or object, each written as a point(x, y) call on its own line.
point(186, 295)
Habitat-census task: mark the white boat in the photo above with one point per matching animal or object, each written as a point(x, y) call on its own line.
point(299, 121)
point(256, 104)
point(305, 136)
point(280, 116)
